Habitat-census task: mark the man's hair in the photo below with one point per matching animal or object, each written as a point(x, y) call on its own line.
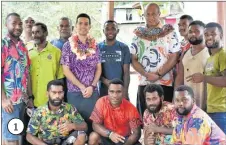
point(111, 21)
point(152, 88)
point(83, 15)
point(215, 25)
point(12, 14)
point(197, 22)
point(154, 5)
point(43, 26)
point(188, 17)
point(116, 82)
point(67, 19)
point(55, 83)
point(185, 88)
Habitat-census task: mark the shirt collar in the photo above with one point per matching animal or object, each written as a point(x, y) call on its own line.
point(45, 49)
point(9, 38)
point(61, 109)
point(116, 108)
point(193, 110)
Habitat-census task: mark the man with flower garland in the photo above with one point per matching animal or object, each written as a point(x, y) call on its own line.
point(155, 51)
point(82, 68)
point(45, 63)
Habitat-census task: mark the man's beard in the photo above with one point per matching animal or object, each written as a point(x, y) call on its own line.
point(215, 45)
point(156, 109)
point(185, 112)
point(197, 41)
point(55, 102)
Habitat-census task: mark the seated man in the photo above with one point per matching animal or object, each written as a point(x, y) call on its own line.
point(158, 117)
point(115, 120)
point(53, 122)
point(194, 126)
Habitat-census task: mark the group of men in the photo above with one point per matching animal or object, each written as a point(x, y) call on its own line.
point(194, 72)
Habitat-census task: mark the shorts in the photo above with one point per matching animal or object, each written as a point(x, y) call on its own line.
point(6, 117)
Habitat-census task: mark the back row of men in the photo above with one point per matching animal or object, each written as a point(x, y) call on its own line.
point(155, 53)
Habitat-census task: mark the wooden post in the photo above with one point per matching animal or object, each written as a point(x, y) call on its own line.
point(111, 10)
point(221, 18)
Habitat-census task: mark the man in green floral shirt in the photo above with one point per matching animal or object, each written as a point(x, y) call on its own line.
point(53, 122)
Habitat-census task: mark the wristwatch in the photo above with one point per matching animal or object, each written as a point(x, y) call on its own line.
point(108, 133)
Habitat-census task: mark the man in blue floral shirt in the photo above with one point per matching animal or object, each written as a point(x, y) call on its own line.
point(53, 122)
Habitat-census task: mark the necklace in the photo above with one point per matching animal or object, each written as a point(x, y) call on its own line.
point(82, 52)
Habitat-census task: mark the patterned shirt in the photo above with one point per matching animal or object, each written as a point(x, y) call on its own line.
point(197, 128)
point(44, 123)
point(153, 54)
point(121, 120)
point(84, 70)
point(15, 69)
point(166, 117)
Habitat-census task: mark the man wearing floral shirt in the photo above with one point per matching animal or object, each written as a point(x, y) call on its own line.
point(53, 122)
point(15, 76)
point(159, 116)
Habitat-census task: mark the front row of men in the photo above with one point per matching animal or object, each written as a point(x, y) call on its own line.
point(117, 122)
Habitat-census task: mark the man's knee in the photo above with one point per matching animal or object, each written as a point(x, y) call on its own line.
point(81, 139)
point(94, 138)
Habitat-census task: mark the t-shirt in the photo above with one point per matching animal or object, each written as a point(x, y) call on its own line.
point(153, 54)
point(121, 120)
point(58, 43)
point(112, 59)
point(216, 96)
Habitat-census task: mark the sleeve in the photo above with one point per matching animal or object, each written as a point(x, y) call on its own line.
point(97, 58)
point(145, 118)
point(75, 117)
point(3, 55)
point(65, 56)
point(60, 73)
point(34, 123)
point(97, 115)
point(127, 55)
point(222, 61)
point(134, 46)
point(174, 45)
point(134, 118)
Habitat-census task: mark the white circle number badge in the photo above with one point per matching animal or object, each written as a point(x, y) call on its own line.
point(15, 126)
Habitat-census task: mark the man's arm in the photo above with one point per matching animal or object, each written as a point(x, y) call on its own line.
point(100, 129)
point(97, 74)
point(105, 81)
point(180, 75)
point(70, 76)
point(137, 66)
point(171, 62)
point(126, 78)
point(34, 140)
point(134, 137)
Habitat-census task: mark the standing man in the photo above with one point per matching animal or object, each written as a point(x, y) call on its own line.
point(154, 54)
point(65, 30)
point(15, 77)
point(115, 120)
point(115, 59)
point(194, 126)
point(194, 60)
point(45, 63)
point(159, 117)
point(28, 23)
point(215, 75)
point(82, 68)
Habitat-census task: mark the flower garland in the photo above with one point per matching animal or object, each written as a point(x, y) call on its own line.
point(82, 53)
point(153, 34)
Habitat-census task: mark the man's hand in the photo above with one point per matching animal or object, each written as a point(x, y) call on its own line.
point(195, 78)
point(152, 76)
point(66, 127)
point(152, 128)
point(88, 92)
point(150, 140)
point(7, 105)
point(116, 138)
point(105, 81)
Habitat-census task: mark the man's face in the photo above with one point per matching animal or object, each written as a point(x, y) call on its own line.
point(183, 27)
point(14, 26)
point(65, 29)
point(183, 102)
point(212, 37)
point(56, 95)
point(153, 102)
point(195, 34)
point(83, 26)
point(152, 15)
point(115, 93)
point(110, 31)
point(38, 35)
point(28, 24)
